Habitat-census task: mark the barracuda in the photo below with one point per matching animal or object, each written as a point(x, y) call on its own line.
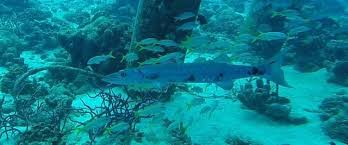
point(222, 74)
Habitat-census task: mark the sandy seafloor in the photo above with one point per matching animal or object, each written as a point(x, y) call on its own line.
point(230, 117)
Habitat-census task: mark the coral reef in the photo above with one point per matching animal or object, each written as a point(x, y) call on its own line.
point(238, 140)
point(76, 81)
point(339, 73)
point(332, 106)
point(117, 116)
point(334, 112)
point(179, 135)
point(309, 52)
point(78, 17)
point(21, 3)
point(231, 20)
point(29, 27)
point(8, 80)
point(7, 125)
point(236, 5)
point(309, 36)
point(161, 94)
point(41, 133)
point(36, 26)
point(48, 121)
point(337, 127)
point(43, 118)
point(46, 102)
point(10, 48)
point(33, 13)
point(265, 101)
point(101, 36)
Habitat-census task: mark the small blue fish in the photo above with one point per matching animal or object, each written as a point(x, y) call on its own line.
point(241, 46)
point(298, 30)
point(270, 36)
point(222, 74)
point(168, 58)
point(288, 13)
point(340, 44)
point(184, 16)
point(97, 124)
point(119, 128)
point(99, 59)
point(195, 42)
point(245, 38)
point(188, 26)
point(168, 43)
point(148, 41)
point(152, 48)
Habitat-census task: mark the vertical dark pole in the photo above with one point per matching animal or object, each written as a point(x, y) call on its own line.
point(155, 19)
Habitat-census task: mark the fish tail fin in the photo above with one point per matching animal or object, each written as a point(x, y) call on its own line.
point(141, 48)
point(110, 54)
point(123, 58)
point(273, 71)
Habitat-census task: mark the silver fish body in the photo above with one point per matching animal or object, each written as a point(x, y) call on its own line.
point(220, 73)
point(98, 59)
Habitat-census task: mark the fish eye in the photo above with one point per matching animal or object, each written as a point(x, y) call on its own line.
point(123, 74)
point(253, 71)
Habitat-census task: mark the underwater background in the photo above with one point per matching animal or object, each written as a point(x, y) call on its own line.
point(54, 54)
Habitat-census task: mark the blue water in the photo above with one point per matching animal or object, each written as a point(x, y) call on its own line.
point(55, 56)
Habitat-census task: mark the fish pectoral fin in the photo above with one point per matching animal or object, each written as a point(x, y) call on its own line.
point(225, 85)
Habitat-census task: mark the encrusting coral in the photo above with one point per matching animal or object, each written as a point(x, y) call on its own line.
point(265, 101)
point(100, 36)
point(333, 113)
point(339, 73)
